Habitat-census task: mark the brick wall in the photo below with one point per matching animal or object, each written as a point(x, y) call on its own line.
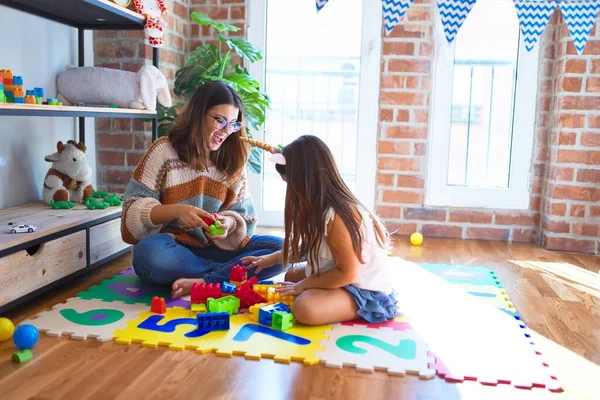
point(121, 143)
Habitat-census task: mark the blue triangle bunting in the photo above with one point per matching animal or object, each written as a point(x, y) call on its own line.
point(454, 13)
point(393, 11)
point(320, 4)
point(533, 18)
point(580, 17)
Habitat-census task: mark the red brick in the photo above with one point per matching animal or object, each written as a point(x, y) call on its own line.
point(386, 115)
point(102, 124)
point(419, 14)
point(524, 235)
point(580, 102)
point(106, 141)
point(425, 82)
point(592, 84)
point(115, 50)
point(241, 32)
point(139, 125)
point(386, 179)
point(403, 98)
point(402, 31)
point(399, 164)
point(488, 234)
point(123, 124)
point(590, 139)
point(116, 177)
point(594, 211)
point(412, 82)
point(238, 12)
point(134, 158)
point(576, 66)
point(596, 66)
point(142, 142)
point(561, 174)
point(180, 10)
point(471, 216)
point(232, 1)
point(585, 229)
point(578, 210)
point(406, 132)
point(568, 244)
point(445, 231)
point(576, 193)
point(425, 214)
point(397, 196)
point(420, 149)
point(421, 116)
point(389, 147)
point(133, 66)
point(425, 49)
point(411, 181)
point(389, 211)
point(567, 138)
point(578, 156)
point(114, 158)
point(402, 116)
point(218, 13)
point(195, 31)
point(593, 121)
point(516, 218)
point(588, 175)
point(401, 65)
point(398, 48)
point(399, 228)
point(572, 84)
point(557, 209)
point(556, 226)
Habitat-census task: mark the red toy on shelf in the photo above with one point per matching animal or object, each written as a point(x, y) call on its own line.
point(158, 305)
point(201, 292)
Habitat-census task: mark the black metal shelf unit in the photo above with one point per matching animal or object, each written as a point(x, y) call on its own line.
point(84, 15)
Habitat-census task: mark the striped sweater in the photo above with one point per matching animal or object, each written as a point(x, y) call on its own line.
point(161, 177)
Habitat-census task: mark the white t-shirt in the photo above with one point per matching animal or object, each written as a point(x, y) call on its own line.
point(375, 272)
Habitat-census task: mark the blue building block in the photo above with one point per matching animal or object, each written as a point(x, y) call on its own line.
point(228, 287)
point(9, 93)
point(29, 93)
point(17, 80)
point(265, 314)
point(20, 100)
point(212, 322)
point(1, 86)
point(266, 283)
point(39, 92)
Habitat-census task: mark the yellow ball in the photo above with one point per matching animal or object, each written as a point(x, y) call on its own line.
point(416, 238)
point(6, 329)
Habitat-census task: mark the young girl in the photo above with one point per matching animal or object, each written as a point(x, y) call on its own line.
point(346, 247)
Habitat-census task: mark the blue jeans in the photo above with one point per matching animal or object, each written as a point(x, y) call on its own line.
point(160, 259)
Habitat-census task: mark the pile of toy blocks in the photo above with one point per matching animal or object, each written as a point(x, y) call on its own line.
point(11, 91)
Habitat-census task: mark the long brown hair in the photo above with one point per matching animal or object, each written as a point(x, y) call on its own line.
point(188, 133)
point(314, 184)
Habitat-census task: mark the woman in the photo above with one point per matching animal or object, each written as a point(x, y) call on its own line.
point(197, 170)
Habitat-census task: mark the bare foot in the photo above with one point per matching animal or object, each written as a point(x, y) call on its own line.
point(183, 286)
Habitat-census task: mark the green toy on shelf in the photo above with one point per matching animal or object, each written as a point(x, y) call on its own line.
point(61, 205)
point(94, 204)
point(100, 194)
point(113, 200)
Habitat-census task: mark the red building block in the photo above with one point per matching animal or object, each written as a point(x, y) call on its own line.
point(238, 274)
point(209, 221)
point(247, 296)
point(158, 305)
point(201, 292)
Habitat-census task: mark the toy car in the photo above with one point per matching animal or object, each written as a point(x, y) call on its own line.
point(22, 229)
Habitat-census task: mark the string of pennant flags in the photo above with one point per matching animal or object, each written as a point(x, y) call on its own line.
point(579, 15)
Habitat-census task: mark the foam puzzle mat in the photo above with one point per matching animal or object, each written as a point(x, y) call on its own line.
point(118, 309)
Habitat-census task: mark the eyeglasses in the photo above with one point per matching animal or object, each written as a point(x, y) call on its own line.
point(222, 123)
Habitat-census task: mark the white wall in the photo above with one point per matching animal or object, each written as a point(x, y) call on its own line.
point(37, 50)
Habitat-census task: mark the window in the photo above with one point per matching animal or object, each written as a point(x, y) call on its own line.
point(484, 95)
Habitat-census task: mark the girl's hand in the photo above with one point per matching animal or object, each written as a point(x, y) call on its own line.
point(227, 223)
point(190, 216)
point(261, 262)
point(291, 288)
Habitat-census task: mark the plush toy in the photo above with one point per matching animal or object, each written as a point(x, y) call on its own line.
point(153, 10)
point(70, 177)
point(96, 85)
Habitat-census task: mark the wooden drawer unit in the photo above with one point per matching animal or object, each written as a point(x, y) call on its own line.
point(105, 240)
point(22, 273)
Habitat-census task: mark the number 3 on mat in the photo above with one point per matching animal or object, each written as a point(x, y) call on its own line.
point(407, 348)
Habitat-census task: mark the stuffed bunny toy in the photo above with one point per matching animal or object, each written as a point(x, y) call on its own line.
point(96, 85)
point(70, 177)
point(153, 10)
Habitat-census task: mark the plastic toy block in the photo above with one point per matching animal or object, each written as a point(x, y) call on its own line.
point(94, 204)
point(239, 273)
point(267, 291)
point(30, 100)
point(38, 100)
point(2, 97)
point(201, 292)
point(52, 100)
point(61, 205)
point(8, 91)
point(6, 75)
point(265, 314)
point(247, 296)
point(228, 287)
point(18, 91)
point(215, 230)
point(282, 320)
point(38, 91)
point(17, 80)
point(22, 356)
point(1, 85)
point(251, 282)
point(228, 304)
point(197, 309)
point(212, 322)
point(210, 221)
point(254, 311)
point(266, 283)
point(158, 305)
point(19, 100)
point(237, 284)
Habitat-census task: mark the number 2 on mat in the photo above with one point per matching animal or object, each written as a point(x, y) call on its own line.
point(407, 348)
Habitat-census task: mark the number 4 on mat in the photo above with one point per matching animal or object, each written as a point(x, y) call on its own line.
point(407, 348)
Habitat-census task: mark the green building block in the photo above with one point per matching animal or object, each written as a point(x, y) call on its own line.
point(282, 320)
point(197, 309)
point(64, 205)
point(38, 100)
point(22, 356)
point(2, 97)
point(228, 304)
point(215, 230)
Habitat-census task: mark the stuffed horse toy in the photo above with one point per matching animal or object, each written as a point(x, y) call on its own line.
point(153, 10)
point(70, 177)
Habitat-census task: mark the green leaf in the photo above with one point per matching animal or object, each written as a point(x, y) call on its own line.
point(242, 82)
point(203, 19)
point(255, 160)
point(163, 129)
point(243, 48)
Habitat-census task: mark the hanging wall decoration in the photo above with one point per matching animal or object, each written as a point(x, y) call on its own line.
point(533, 18)
point(393, 11)
point(453, 14)
point(320, 4)
point(580, 17)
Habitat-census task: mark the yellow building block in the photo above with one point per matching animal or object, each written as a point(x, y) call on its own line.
point(254, 311)
point(267, 291)
point(237, 284)
point(197, 309)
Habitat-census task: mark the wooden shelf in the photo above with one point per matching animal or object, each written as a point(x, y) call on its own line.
point(83, 14)
point(35, 110)
point(50, 223)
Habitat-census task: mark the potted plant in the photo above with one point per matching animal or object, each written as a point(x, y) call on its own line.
point(212, 62)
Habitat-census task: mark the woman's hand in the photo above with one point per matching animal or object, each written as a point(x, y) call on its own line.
point(227, 223)
point(190, 216)
point(291, 288)
point(262, 262)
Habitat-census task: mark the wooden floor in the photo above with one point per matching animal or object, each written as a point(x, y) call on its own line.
point(557, 294)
